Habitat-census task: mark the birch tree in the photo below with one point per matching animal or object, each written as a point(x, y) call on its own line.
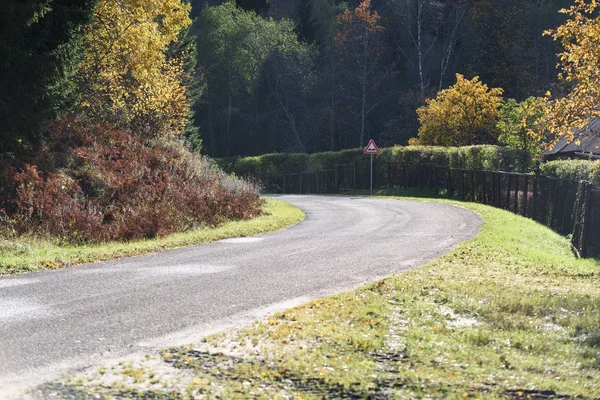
point(427, 32)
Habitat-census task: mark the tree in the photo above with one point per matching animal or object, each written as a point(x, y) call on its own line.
point(505, 47)
point(430, 31)
point(126, 75)
point(516, 119)
point(306, 24)
point(185, 49)
point(234, 44)
point(287, 79)
point(40, 49)
point(579, 63)
point(464, 114)
point(359, 49)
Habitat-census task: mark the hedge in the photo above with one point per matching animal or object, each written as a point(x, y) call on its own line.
point(481, 157)
point(577, 170)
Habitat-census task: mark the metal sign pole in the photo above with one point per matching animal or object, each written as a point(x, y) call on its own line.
point(371, 149)
point(371, 174)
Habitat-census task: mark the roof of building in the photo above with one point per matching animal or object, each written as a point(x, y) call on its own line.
point(585, 140)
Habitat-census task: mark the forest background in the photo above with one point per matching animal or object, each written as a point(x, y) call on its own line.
point(292, 75)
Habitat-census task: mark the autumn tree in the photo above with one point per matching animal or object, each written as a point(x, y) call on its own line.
point(464, 114)
point(580, 69)
point(360, 51)
point(126, 75)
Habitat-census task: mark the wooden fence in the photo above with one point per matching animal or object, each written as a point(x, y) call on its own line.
point(570, 208)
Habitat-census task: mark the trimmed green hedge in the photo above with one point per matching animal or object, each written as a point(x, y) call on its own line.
point(481, 157)
point(577, 170)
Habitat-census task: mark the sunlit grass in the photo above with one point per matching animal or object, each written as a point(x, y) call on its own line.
point(26, 254)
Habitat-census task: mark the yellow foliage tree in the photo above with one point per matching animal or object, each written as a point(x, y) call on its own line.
point(580, 66)
point(464, 114)
point(126, 75)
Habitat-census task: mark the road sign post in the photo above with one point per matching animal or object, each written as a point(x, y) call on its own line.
point(372, 150)
point(371, 174)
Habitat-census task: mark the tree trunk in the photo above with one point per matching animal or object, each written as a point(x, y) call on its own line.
point(420, 48)
point(211, 130)
point(364, 91)
point(227, 135)
point(446, 58)
point(332, 111)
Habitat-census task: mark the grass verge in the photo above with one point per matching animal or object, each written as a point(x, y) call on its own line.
point(508, 314)
point(31, 254)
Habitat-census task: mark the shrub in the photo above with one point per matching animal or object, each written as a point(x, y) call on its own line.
point(106, 184)
point(577, 170)
point(267, 165)
point(517, 120)
point(486, 157)
point(464, 114)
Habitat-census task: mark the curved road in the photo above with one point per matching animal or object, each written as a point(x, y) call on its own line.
point(53, 322)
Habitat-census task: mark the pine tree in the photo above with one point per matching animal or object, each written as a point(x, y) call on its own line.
point(40, 48)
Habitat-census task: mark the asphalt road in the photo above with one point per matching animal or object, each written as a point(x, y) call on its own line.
point(54, 322)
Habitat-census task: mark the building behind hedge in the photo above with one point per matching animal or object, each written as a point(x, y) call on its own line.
point(585, 144)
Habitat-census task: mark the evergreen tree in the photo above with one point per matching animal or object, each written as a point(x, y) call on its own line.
point(306, 24)
point(193, 81)
point(40, 48)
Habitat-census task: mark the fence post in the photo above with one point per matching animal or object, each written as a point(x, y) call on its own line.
point(483, 181)
point(492, 188)
point(462, 184)
point(283, 183)
point(300, 180)
point(543, 199)
point(449, 183)
point(564, 216)
point(556, 199)
point(525, 195)
point(389, 174)
point(516, 203)
point(498, 189)
point(335, 182)
point(534, 199)
point(508, 182)
point(586, 217)
point(404, 175)
point(317, 179)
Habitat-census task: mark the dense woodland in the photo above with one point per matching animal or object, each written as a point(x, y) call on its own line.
point(292, 75)
point(317, 75)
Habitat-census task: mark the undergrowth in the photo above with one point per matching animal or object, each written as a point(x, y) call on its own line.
point(96, 183)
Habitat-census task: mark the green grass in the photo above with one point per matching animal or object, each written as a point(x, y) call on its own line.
point(508, 314)
point(26, 254)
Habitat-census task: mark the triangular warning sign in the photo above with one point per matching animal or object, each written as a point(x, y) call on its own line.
point(371, 148)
